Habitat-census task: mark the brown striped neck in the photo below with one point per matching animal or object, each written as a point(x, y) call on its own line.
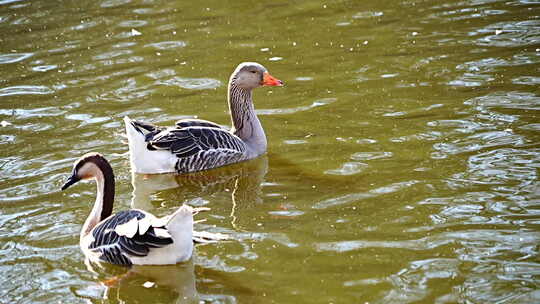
point(241, 108)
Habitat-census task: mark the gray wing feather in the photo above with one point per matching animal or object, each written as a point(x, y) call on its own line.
point(184, 123)
point(150, 130)
point(190, 141)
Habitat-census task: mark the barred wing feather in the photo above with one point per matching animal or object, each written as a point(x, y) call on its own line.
point(150, 130)
point(189, 141)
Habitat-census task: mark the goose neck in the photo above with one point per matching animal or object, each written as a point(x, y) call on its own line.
point(246, 124)
point(240, 105)
point(103, 205)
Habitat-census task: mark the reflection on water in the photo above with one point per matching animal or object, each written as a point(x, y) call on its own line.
point(243, 181)
point(143, 284)
point(403, 152)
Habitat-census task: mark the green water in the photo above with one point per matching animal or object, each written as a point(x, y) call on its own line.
point(403, 154)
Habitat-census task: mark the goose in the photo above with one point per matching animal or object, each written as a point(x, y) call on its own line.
point(193, 145)
point(130, 237)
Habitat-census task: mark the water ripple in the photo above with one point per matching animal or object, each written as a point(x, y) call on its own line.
point(471, 80)
point(114, 3)
point(14, 57)
point(315, 104)
point(458, 14)
point(26, 90)
point(411, 284)
point(527, 80)
point(502, 166)
point(510, 34)
point(191, 83)
point(35, 112)
point(370, 155)
point(87, 119)
point(44, 68)
point(512, 242)
point(348, 168)
point(2, 2)
point(508, 100)
point(167, 45)
point(112, 54)
point(367, 14)
point(129, 90)
point(353, 197)
point(481, 141)
point(483, 65)
point(132, 23)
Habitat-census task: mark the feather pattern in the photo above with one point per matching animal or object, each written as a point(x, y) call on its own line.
point(116, 248)
point(132, 236)
point(198, 145)
point(189, 141)
point(195, 145)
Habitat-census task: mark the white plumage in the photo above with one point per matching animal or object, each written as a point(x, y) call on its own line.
point(131, 236)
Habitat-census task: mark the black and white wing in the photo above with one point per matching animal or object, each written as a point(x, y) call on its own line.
point(189, 141)
point(127, 233)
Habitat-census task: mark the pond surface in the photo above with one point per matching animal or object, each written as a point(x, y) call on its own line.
point(403, 159)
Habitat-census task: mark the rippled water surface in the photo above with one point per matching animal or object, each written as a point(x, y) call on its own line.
point(403, 153)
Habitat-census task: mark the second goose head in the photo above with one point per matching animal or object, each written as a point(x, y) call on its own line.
point(251, 75)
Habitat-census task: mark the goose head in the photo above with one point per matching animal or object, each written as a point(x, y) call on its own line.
point(251, 75)
point(90, 165)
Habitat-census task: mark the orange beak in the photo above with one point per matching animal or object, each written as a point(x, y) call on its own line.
point(269, 80)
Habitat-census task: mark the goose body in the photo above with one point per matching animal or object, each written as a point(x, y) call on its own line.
point(194, 145)
point(131, 236)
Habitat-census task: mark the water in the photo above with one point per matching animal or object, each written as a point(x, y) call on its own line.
point(403, 151)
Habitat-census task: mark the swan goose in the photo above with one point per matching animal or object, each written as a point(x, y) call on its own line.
point(131, 236)
point(195, 145)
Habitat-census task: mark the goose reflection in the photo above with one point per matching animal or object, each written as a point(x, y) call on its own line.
point(145, 284)
point(242, 180)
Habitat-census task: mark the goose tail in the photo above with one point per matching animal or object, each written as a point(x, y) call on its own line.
point(142, 159)
point(181, 218)
point(180, 226)
point(143, 128)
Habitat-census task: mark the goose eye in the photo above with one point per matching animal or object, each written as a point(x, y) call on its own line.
point(253, 72)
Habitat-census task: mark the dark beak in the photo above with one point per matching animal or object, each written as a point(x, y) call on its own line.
point(71, 180)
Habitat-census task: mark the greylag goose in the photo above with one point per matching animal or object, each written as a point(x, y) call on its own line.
point(130, 236)
point(195, 145)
